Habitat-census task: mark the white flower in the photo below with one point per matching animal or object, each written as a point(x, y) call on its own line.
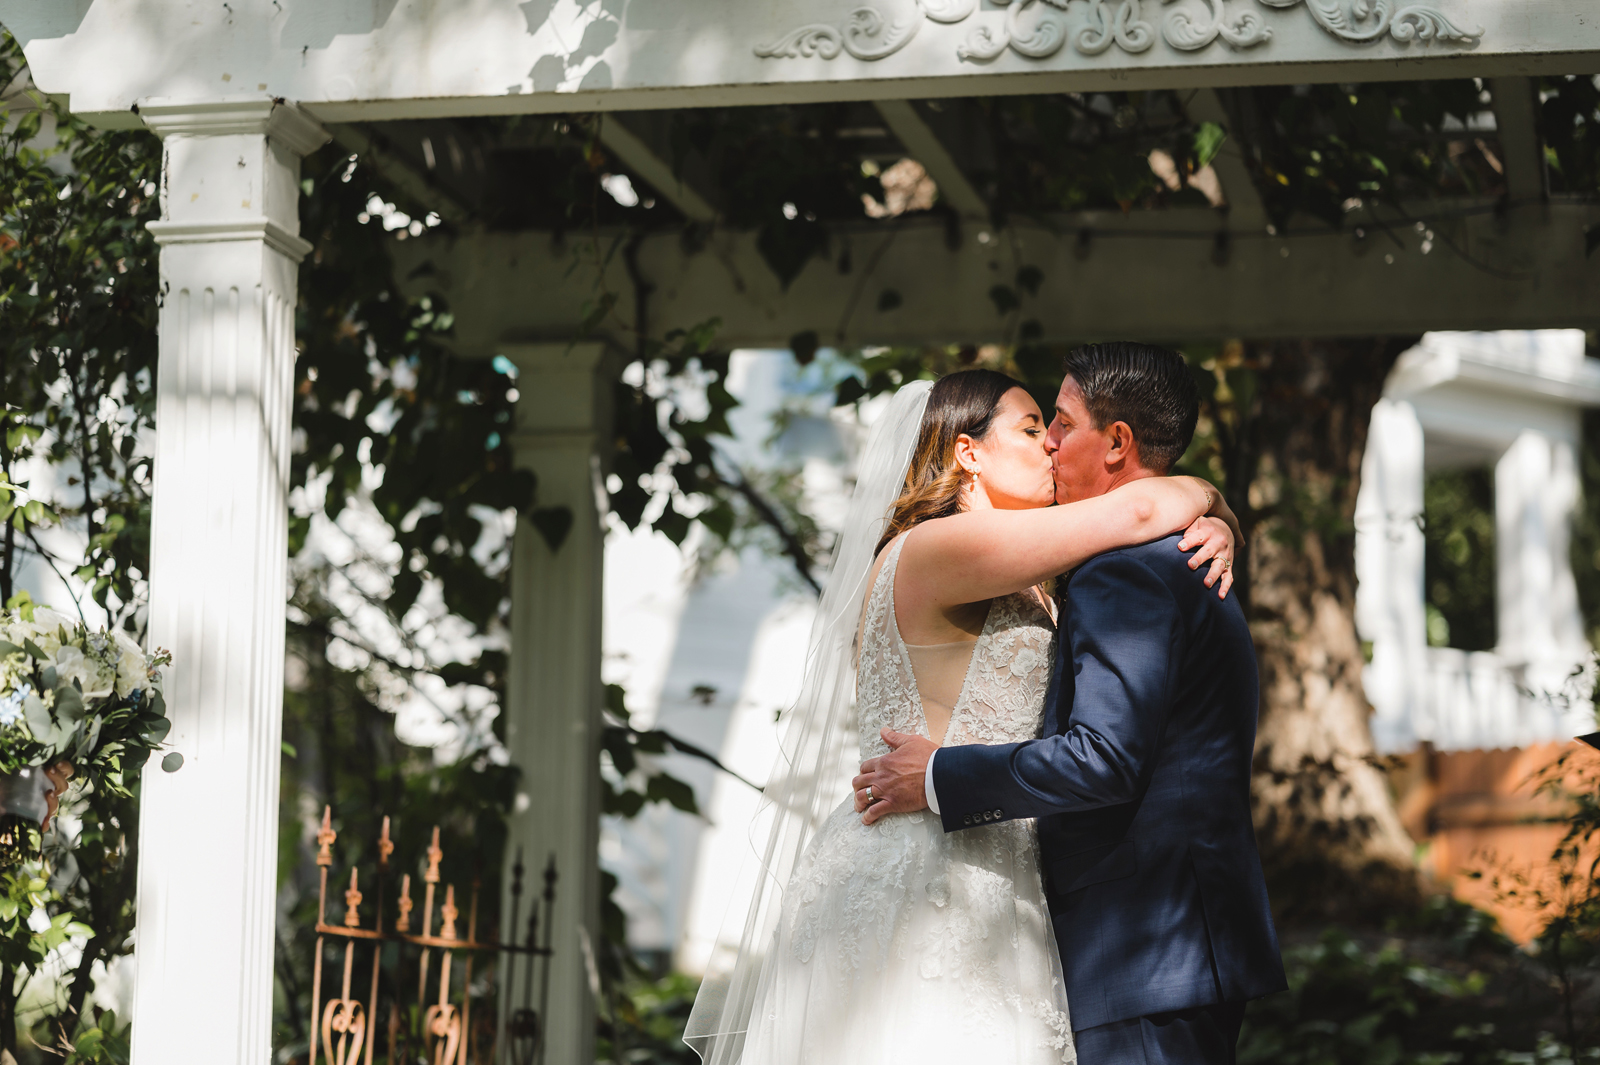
point(133, 671)
point(16, 631)
point(47, 626)
point(95, 677)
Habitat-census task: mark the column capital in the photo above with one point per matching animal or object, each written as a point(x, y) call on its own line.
point(231, 175)
point(556, 355)
point(265, 230)
point(561, 395)
point(279, 120)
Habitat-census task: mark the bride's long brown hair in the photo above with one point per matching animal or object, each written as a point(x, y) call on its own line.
point(963, 402)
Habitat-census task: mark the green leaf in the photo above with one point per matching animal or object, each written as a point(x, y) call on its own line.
point(672, 790)
point(804, 345)
point(1208, 139)
point(1005, 300)
point(37, 717)
point(69, 704)
point(172, 762)
point(553, 523)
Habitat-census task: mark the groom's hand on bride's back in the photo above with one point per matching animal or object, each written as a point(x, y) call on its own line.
point(893, 783)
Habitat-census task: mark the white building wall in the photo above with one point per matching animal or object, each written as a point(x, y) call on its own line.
point(1511, 401)
point(737, 633)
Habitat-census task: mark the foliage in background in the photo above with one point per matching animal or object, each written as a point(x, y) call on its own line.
point(1443, 987)
point(77, 343)
point(78, 306)
point(399, 442)
point(1459, 558)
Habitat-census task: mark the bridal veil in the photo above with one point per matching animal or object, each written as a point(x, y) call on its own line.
point(819, 750)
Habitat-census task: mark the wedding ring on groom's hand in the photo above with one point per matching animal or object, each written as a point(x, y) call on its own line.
point(871, 798)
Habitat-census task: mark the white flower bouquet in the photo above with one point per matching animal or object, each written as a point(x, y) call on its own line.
point(73, 702)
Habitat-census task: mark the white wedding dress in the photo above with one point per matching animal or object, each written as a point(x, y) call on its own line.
point(900, 944)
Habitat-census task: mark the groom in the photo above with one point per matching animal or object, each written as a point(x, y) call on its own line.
point(1141, 783)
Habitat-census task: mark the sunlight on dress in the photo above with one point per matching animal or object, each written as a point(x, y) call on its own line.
point(900, 943)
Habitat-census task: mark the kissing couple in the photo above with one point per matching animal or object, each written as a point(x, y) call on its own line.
point(1047, 855)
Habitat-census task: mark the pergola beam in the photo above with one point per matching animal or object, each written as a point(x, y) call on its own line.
point(925, 147)
point(645, 160)
point(401, 172)
point(352, 60)
point(1150, 276)
point(1245, 211)
point(1516, 121)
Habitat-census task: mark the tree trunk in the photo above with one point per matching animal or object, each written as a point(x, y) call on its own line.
point(1331, 840)
point(8, 1013)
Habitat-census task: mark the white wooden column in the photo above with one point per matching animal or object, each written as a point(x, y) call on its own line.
point(1389, 573)
point(554, 692)
point(1536, 491)
point(208, 833)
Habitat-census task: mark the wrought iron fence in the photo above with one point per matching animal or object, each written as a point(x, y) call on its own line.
point(438, 1028)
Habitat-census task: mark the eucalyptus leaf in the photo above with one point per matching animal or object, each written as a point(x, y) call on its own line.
point(172, 762)
point(60, 736)
point(47, 676)
point(33, 649)
point(91, 738)
point(7, 649)
point(156, 731)
point(69, 704)
point(37, 715)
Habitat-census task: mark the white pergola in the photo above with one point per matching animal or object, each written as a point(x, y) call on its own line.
point(241, 91)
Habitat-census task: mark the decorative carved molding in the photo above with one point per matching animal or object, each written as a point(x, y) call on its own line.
point(1361, 21)
point(282, 122)
point(869, 33)
point(1187, 35)
point(225, 230)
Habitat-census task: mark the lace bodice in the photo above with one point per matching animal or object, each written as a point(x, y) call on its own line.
point(1002, 698)
point(899, 941)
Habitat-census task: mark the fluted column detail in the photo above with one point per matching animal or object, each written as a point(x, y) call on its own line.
point(554, 692)
point(219, 540)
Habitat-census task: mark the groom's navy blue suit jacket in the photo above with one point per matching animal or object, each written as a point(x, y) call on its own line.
point(1141, 785)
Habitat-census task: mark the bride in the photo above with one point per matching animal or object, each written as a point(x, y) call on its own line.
point(897, 943)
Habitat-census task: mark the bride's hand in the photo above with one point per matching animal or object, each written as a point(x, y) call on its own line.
point(1213, 540)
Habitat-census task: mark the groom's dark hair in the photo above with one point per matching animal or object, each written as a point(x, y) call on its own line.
point(1148, 387)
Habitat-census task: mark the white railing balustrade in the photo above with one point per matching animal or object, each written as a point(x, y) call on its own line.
point(1476, 700)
